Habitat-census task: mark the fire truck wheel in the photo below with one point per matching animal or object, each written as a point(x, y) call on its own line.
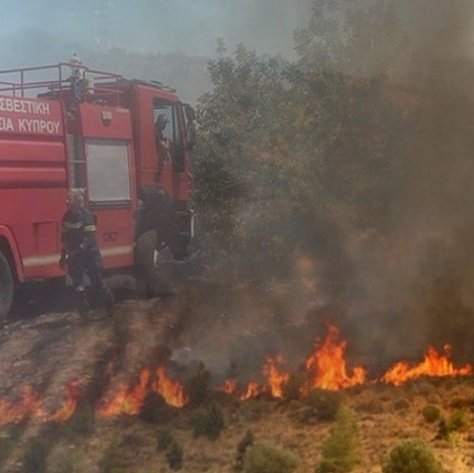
point(6, 288)
point(148, 274)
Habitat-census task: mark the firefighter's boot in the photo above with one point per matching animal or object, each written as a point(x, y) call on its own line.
point(82, 304)
point(109, 302)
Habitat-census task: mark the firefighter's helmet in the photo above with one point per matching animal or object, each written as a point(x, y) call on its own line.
point(161, 121)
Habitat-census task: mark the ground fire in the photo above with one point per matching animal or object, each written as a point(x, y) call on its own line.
point(325, 368)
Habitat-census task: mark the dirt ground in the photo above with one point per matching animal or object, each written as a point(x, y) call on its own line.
point(50, 350)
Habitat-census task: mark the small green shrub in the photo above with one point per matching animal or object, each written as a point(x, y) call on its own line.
point(164, 439)
point(339, 453)
point(8, 439)
point(208, 422)
point(320, 406)
point(198, 385)
point(253, 409)
point(155, 410)
point(458, 420)
point(412, 456)
point(83, 421)
point(174, 456)
point(292, 389)
point(263, 458)
point(64, 461)
point(247, 441)
point(431, 413)
point(401, 405)
point(113, 458)
point(36, 454)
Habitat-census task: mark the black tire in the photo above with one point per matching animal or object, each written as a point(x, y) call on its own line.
point(150, 279)
point(6, 288)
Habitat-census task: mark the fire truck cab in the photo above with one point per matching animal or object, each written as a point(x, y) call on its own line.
point(66, 126)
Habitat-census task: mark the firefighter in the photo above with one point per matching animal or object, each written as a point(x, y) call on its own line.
point(163, 143)
point(80, 253)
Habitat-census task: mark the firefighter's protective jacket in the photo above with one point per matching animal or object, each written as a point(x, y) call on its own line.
point(78, 230)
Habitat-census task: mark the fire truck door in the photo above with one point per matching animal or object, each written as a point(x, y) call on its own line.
point(109, 190)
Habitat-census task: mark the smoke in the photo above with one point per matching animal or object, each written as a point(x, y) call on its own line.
point(404, 279)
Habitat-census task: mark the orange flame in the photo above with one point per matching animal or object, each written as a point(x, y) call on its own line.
point(127, 400)
point(72, 395)
point(326, 368)
point(171, 391)
point(275, 378)
point(229, 386)
point(252, 390)
point(434, 365)
point(30, 406)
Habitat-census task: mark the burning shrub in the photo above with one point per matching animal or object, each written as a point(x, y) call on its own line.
point(339, 454)
point(113, 458)
point(431, 413)
point(174, 456)
point(320, 406)
point(35, 457)
point(263, 458)
point(412, 455)
point(164, 439)
point(208, 422)
point(247, 441)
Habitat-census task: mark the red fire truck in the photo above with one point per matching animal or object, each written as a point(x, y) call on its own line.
point(66, 126)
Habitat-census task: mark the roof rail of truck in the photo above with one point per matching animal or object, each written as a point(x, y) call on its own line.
point(52, 80)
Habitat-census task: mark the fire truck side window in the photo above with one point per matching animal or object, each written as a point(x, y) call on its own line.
point(166, 119)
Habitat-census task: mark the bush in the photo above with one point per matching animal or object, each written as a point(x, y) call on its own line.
point(83, 421)
point(36, 454)
point(457, 420)
point(263, 458)
point(253, 409)
point(174, 456)
point(208, 422)
point(292, 389)
point(164, 439)
point(64, 461)
point(198, 385)
point(339, 454)
point(431, 413)
point(247, 441)
point(155, 410)
point(8, 439)
point(412, 456)
point(320, 406)
point(113, 458)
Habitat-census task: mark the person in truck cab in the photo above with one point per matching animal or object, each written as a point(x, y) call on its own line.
point(163, 143)
point(80, 253)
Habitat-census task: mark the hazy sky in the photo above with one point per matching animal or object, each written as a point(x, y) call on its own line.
point(146, 26)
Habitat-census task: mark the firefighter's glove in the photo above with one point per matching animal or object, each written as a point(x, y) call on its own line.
point(63, 261)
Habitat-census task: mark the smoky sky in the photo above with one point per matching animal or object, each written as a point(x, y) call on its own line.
point(158, 26)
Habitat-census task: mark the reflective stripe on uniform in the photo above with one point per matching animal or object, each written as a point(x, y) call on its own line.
point(89, 228)
point(72, 226)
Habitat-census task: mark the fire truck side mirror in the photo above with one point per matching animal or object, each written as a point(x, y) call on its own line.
point(191, 126)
